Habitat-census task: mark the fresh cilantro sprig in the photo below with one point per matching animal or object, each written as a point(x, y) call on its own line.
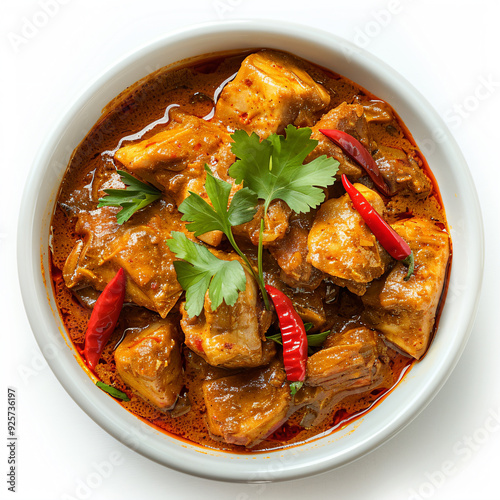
point(135, 196)
point(200, 270)
point(203, 217)
point(273, 168)
point(220, 215)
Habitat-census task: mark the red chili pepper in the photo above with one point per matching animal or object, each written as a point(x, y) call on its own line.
point(293, 335)
point(388, 238)
point(103, 318)
point(357, 152)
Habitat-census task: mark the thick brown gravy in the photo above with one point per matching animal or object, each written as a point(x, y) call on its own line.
point(192, 87)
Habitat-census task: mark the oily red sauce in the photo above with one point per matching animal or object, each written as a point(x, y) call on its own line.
point(194, 87)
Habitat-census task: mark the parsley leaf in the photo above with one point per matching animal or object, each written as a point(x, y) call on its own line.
point(274, 169)
point(112, 391)
point(135, 196)
point(200, 271)
point(203, 217)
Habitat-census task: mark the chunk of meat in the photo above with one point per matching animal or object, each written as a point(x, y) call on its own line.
point(349, 118)
point(350, 359)
point(174, 160)
point(149, 361)
point(270, 92)
point(342, 245)
point(402, 173)
point(291, 254)
point(319, 403)
point(276, 223)
point(404, 311)
point(309, 305)
point(375, 110)
point(350, 363)
point(231, 336)
point(245, 408)
point(139, 246)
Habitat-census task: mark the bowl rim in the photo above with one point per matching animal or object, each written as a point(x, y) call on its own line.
point(101, 408)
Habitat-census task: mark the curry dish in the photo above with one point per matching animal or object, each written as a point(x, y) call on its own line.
point(218, 377)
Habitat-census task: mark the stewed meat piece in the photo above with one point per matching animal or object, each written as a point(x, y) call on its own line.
point(319, 402)
point(402, 173)
point(276, 223)
point(245, 408)
point(174, 160)
point(270, 92)
point(149, 361)
point(231, 336)
point(349, 118)
point(342, 245)
point(375, 110)
point(291, 254)
point(308, 301)
point(405, 311)
point(349, 363)
point(139, 246)
point(348, 360)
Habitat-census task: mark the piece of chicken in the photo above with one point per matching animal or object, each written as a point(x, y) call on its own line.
point(341, 244)
point(375, 110)
point(319, 403)
point(349, 363)
point(405, 311)
point(307, 301)
point(402, 173)
point(174, 160)
point(275, 224)
point(291, 251)
point(348, 118)
point(244, 409)
point(138, 245)
point(270, 92)
point(149, 361)
point(231, 336)
point(347, 360)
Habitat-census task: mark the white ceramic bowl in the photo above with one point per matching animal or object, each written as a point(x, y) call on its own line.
point(419, 386)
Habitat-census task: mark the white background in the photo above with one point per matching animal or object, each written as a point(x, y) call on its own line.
point(447, 49)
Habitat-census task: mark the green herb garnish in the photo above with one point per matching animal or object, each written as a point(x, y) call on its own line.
point(135, 196)
point(308, 326)
point(317, 339)
point(273, 168)
point(313, 339)
point(270, 169)
point(276, 338)
point(203, 217)
point(295, 387)
point(200, 270)
point(113, 391)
